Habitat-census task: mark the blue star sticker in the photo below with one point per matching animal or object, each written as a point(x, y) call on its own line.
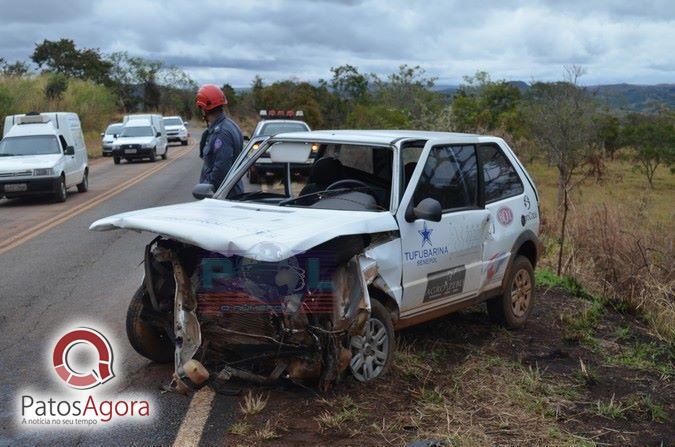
point(426, 235)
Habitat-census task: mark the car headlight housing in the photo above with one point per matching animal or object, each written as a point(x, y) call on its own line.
point(147, 146)
point(43, 171)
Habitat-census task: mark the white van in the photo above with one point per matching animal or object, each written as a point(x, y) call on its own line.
point(43, 153)
point(143, 136)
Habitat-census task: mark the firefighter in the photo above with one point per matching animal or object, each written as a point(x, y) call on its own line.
point(222, 141)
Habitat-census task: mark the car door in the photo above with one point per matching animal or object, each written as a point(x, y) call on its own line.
point(442, 261)
point(70, 161)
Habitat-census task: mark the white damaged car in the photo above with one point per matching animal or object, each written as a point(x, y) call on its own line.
point(308, 278)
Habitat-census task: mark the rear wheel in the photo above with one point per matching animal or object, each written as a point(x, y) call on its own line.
point(149, 341)
point(372, 352)
point(514, 305)
point(61, 193)
point(84, 186)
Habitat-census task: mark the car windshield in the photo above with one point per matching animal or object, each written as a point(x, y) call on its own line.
point(29, 145)
point(173, 122)
point(326, 176)
point(270, 129)
point(137, 131)
point(113, 129)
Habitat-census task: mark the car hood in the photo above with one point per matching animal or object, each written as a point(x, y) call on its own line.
point(134, 140)
point(261, 232)
point(23, 162)
point(108, 139)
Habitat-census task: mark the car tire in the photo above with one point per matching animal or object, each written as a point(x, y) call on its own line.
point(147, 340)
point(253, 177)
point(183, 143)
point(61, 193)
point(514, 305)
point(153, 155)
point(116, 160)
point(166, 153)
point(84, 186)
point(375, 347)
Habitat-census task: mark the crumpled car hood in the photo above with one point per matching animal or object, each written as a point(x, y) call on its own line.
point(262, 232)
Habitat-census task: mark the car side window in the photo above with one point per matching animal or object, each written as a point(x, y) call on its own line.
point(499, 176)
point(450, 176)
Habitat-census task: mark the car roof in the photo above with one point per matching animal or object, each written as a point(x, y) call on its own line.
point(380, 136)
point(21, 130)
point(138, 123)
point(172, 116)
point(284, 121)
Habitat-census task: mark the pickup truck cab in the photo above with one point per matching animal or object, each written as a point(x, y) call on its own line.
point(310, 279)
point(176, 129)
point(275, 122)
point(43, 154)
point(108, 137)
point(142, 136)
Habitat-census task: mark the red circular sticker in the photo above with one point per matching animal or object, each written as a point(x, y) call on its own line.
point(505, 216)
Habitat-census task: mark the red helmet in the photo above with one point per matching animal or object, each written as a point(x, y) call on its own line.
point(210, 96)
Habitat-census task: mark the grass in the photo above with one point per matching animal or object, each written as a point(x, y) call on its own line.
point(646, 356)
point(612, 408)
point(347, 411)
point(240, 428)
point(253, 404)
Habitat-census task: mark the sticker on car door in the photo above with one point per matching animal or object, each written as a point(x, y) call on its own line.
point(445, 283)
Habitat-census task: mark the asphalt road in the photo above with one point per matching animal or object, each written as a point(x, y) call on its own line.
point(55, 274)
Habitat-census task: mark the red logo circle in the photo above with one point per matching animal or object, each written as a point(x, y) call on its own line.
point(505, 215)
point(65, 370)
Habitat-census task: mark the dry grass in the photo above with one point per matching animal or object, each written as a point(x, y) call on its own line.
point(253, 404)
point(620, 244)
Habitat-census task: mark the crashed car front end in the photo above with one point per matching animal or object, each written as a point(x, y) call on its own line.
point(259, 320)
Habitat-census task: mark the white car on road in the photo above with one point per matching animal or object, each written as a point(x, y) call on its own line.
point(140, 138)
point(176, 129)
point(311, 279)
point(108, 138)
point(43, 154)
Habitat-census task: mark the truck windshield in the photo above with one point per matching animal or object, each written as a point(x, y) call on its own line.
point(137, 131)
point(173, 122)
point(29, 145)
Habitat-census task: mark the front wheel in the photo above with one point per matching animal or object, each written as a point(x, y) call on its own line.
point(373, 351)
point(61, 193)
point(149, 341)
point(184, 143)
point(153, 154)
point(514, 305)
point(116, 160)
point(166, 153)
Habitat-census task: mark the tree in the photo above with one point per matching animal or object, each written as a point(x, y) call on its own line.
point(63, 57)
point(56, 86)
point(231, 95)
point(17, 69)
point(559, 116)
point(653, 139)
point(481, 104)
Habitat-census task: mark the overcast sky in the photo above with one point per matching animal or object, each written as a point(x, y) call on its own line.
point(231, 41)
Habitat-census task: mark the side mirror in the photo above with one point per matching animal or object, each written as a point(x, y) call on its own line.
point(158, 134)
point(114, 135)
point(428, 209)
point(70, 150)
point(202, 191)
point(102, 134)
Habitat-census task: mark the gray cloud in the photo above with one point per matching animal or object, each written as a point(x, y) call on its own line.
point(231, 41)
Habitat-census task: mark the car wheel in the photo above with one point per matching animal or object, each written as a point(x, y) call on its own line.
point(149, 341)
point(84, 186)
point(253, 177)
point(153, 155)
point(116, 160)
point(166, 153)
point(514, 305)
point(184, 143)
point(372, 352)
point(61, 193)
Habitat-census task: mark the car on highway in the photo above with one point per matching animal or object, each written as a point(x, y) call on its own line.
point(108, 137)
point(142, 136)
point(275, 122)
point(176, 130)
point(310, 279)
point(43, 154)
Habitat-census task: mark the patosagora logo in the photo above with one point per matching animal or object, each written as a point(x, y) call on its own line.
point(64, 366)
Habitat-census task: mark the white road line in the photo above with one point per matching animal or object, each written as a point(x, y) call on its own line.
point(192, 427)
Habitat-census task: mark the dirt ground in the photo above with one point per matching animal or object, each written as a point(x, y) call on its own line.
point(579, 374)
